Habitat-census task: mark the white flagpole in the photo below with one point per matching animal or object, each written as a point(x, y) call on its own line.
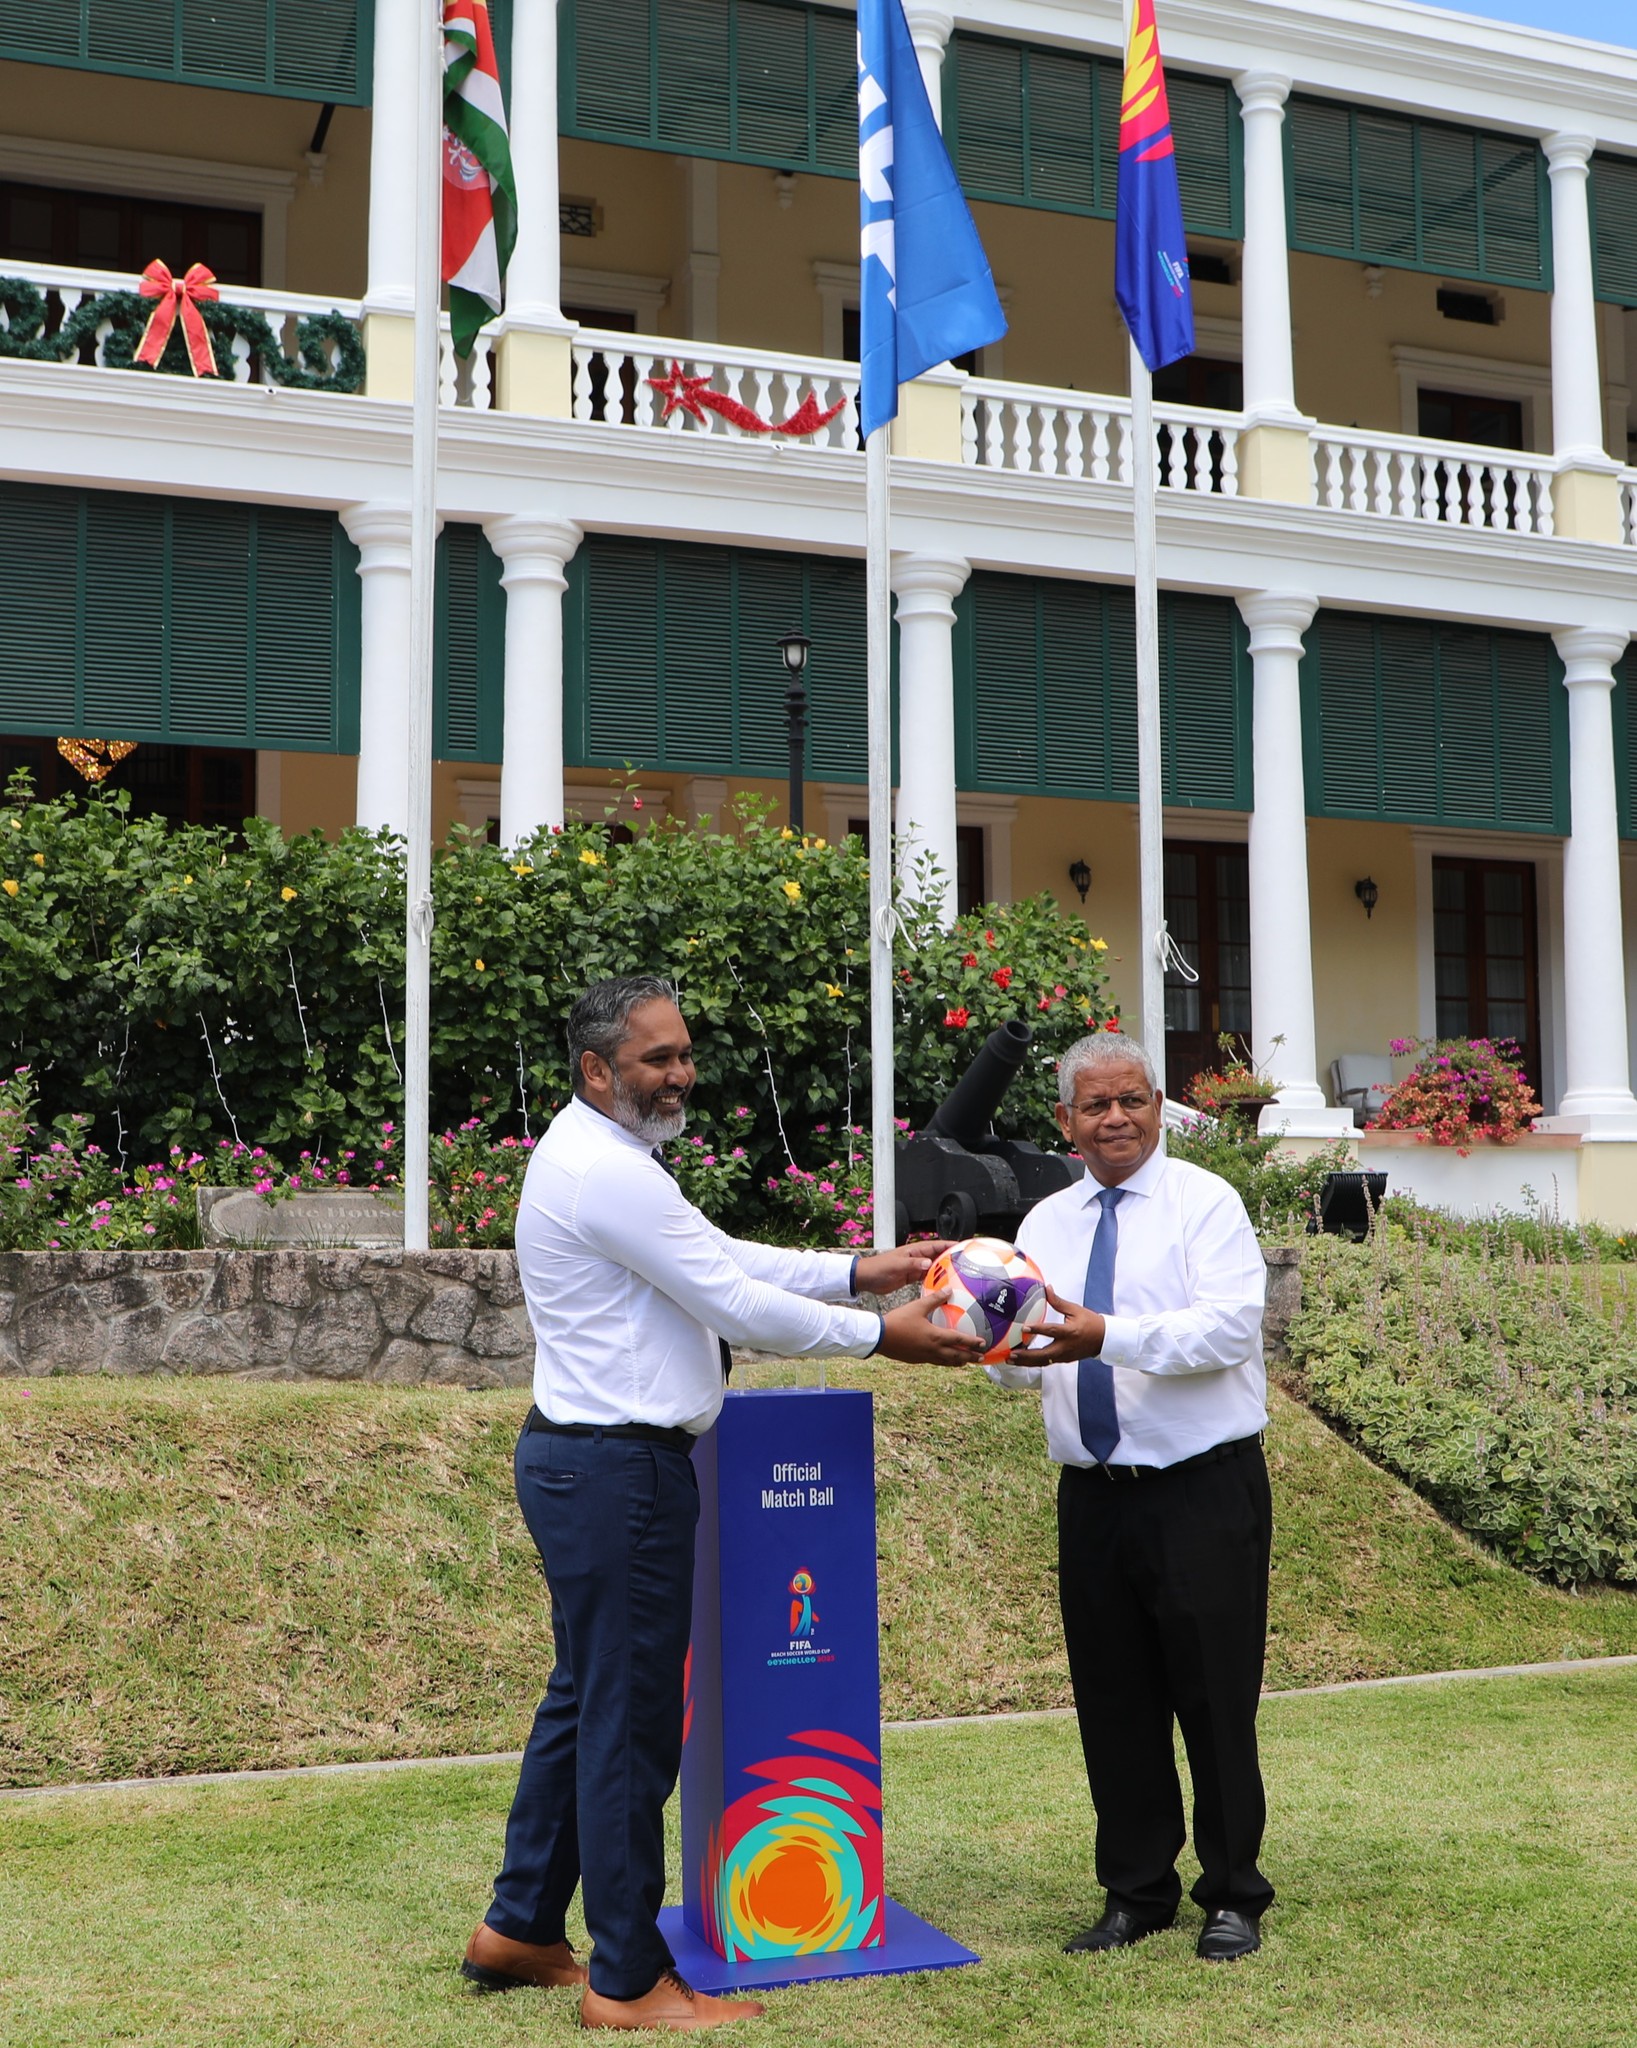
point(878, 671)
point(1150, 788)
point(423, 534)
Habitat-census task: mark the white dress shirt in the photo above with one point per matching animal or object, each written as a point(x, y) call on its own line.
point(628, 1286)
point(1185, 1337)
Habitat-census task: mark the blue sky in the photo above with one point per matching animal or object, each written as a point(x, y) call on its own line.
point(1604, 21)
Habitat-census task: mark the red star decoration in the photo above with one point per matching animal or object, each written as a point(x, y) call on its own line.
point(681, 394)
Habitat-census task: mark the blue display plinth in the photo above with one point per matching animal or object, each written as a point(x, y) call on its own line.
point(781, 1764)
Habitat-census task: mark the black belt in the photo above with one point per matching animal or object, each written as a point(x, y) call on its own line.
point(1214, 1456)
point(682, 1440)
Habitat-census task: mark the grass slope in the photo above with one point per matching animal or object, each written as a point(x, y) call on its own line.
point(1455, 1866)
point(202, 1576)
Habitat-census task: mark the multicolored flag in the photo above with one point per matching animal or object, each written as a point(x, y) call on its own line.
point(1150, 247)
point(925, 286)
point(479, 192)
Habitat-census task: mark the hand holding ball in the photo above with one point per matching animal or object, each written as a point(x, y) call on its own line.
point(995, 1292)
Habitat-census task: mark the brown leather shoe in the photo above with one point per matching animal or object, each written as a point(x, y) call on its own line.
point(673, 2004)
point(494, 1962)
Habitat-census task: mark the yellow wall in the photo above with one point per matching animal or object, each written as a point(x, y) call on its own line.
point(1365, 974)
point(640, 194)
point(317, 790)
point(328, 223)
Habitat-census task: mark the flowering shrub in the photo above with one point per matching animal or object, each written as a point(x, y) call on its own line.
point(1461, 1090)
point(832, 1204)
point(712, 1171)
point(178, 985)
point(1238, 1084)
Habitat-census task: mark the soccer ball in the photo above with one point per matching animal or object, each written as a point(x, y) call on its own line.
point(995, 1290)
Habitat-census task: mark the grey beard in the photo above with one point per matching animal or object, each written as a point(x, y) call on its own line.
point(648, 1126)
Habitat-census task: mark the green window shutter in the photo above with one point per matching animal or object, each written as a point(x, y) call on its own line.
point(837, 693)
point(1207, 706)
point(181, 622)
point(468, 662)
point(1031, 126)
point(702, 619)
point(1614, 228)
point(1431, 724)
point(1419, 195)
point(304, 49)
point(1008, 749)
point(620, 638)
point(747, 81)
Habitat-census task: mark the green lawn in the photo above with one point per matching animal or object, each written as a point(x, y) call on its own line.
point(204, 1575)
point(1457, 1865)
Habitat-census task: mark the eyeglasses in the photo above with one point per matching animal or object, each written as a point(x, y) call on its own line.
point(1098, 1106)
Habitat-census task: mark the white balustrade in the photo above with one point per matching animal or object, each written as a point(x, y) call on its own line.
point(65, 289)
point(468, 382)
point(1076, 434)
point(1628, 507)
point(616, 375)
point(1446, 483)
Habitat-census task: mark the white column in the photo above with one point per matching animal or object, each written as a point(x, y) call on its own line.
point(1597, 1098)
point(391, 284)
point(1281, 943)
point(380, 532)
point(535, 552)
point(926, 587)
point(534, 291)
point(1577, 395)
point(1270, 376)
point(929, 30)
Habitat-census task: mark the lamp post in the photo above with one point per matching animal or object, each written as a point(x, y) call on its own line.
point(795, 648)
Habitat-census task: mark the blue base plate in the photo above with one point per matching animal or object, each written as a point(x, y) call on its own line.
point(910, 1943)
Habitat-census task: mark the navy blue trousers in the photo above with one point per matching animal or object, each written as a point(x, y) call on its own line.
point(613, 1519)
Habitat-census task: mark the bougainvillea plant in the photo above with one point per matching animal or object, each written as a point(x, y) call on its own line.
point(1460, 1091)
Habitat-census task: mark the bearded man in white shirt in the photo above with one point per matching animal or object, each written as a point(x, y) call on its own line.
point(634, 1297)
point(1154, 1398)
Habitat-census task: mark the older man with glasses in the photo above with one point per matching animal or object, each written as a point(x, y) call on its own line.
point(1154, 1396)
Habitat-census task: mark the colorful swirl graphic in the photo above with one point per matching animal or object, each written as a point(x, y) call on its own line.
point(797, 1865)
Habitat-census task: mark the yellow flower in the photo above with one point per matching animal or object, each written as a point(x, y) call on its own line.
point(187, 881)
point(1101, 945)
point(9, 886)
point(521, 867)
point(591, 857)
point(849, 952)
point(793, 891)
point(832, 989)
point(819, 844)
point(478, 964)
point(15, 824)
point(39, 860)
point(785, 832)
point(693, 942)
point(287, 894)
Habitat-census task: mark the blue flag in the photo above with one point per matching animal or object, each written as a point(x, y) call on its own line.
point(1150, 248)
point(925, 289)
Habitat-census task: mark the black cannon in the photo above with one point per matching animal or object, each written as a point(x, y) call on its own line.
point(956, 1177)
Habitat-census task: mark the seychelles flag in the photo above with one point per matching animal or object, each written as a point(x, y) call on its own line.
point(479, 193)
point(1150, 248)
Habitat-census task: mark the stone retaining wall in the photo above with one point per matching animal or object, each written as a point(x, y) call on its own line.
point(455, 1318)
point(401, 1317)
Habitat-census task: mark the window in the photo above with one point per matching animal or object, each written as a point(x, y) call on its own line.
point(1207, 911)
point(187, 785)
point(112, 231)
point(1465, 416)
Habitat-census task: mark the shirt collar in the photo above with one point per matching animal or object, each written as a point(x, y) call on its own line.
point(1143, 1182)
point(605, 1125)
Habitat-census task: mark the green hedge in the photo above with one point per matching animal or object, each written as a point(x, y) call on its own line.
point(1501, 1386)
point(182, 985)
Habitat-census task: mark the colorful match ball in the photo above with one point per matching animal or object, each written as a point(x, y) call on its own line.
point(996, 1291)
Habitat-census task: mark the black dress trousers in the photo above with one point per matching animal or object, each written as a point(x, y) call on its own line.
point(1164, 1588)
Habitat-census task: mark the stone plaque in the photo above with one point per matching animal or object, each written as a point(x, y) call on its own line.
point(326, 1217)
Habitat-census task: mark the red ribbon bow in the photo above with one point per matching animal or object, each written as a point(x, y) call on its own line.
point(184, 295)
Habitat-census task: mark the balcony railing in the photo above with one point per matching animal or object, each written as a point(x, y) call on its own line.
point(1075, 434)
point(743, 393)
point(1447, 483)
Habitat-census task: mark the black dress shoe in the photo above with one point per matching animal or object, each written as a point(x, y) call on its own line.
point(1227, 1935)
point(1116, 1929)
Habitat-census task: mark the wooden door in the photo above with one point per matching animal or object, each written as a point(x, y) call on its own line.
point(1485, 966)
point(1207, 907)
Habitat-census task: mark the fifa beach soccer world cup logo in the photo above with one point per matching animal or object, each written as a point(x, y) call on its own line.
point(803, 1620)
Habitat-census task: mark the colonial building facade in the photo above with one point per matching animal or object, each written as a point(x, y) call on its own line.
point(1398, 530)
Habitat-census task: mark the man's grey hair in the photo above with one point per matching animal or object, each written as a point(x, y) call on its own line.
point(600, 1021)
point(1101, 1049)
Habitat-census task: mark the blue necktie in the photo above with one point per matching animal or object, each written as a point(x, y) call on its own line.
point(1099, 1424)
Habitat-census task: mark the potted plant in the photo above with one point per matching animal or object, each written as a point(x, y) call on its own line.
point(1238, 1089)
point(1461, 1091)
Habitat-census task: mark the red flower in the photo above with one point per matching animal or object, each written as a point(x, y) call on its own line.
point(1002, 977)
point(969, 959)
point(1044, 1003)
point(957, 1020)
point(1113, 1024)
point(988, 938)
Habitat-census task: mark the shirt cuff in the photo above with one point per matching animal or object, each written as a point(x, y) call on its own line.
point(852, 1276)
point(880, 1337)
point(1120, 1340)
